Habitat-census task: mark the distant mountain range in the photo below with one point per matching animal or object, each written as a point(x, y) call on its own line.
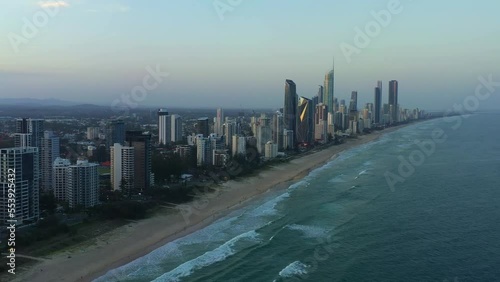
point(34, 102)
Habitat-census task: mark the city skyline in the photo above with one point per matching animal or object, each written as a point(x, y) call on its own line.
point(234, 70)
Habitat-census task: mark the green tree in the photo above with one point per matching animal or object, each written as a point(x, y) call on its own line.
point(48, 202)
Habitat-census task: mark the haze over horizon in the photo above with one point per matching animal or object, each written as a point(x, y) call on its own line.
point(92, 52)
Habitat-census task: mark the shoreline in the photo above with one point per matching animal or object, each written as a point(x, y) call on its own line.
point(137, 239)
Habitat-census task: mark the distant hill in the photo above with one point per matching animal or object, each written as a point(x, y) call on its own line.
point(34, 102)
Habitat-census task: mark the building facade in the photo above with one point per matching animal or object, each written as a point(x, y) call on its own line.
point(393, 100)
point(141, 142)
point(82, 184)
point(20, 166)
point(122, 168)
point(164, 127)
point(290, 106)
point(50, 151)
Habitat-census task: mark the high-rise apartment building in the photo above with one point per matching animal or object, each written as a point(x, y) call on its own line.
point(305, 123)
point(393, 100)
point(20, 166)
point(238, 145)
point(353, 106)
point(288, 139)
point(77, 184)
point(115, 132)
point(203, 151)
point(164, 127)
point(49, 152)
point(141, 142)
point(228, 132)
point(59, 179)
point(271, 150)
point(219, 121)
point(264, 133)
point(277, 129)
point(92, 133)
point(203, 126)
point(176, 128)
point(33, 127)
point(321, 123)
point(82, 184)
point(328, 94)
point(320, 94)
point(290, 107)
point(378, 103)
point(122, 168)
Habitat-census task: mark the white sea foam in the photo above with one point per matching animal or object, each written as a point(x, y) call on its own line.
point(337, 179)
point(219, 254)
point(206, 234)
point(294, 268)
point(309, 231)
point(361, 173)
point(368, 163)
point(146, 263)
point(269, 207)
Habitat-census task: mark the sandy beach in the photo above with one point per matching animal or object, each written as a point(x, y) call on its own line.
point(137, 239)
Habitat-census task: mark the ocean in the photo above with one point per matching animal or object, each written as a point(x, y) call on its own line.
point(385, 211)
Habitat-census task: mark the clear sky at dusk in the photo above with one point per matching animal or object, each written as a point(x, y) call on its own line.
point(92, 51)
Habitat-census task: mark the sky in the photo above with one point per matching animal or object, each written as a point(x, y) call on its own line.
point(238, 53)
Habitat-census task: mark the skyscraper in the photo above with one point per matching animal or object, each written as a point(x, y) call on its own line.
point(378, 103)
point(264, 133)
point(239, 145)
point(122, 167)
point(59, 179)
point(320, 94)
point(50, 151)
point(116, 132)
point(353, 106)
point(271, 150)
point(305, 129)
point(321, 123)
point(219, 121)
point(277, 129)
point(290, 107)
point(288, 139)
point(164, 127)
point(141, 142)
point(203, 151)
point(176, 128)
point(328, 94)
point(33, 127)
point(393, 99)
point(202, 127)
point(82, 184)
point(23, 163)
point(92, 133)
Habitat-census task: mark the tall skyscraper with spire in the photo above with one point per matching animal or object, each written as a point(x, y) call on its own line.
point(328, 97)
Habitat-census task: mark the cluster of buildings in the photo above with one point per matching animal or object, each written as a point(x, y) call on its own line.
point(40, 168)
point(300, 123)
point(319, 119)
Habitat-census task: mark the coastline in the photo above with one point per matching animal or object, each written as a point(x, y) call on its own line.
point(136, 239)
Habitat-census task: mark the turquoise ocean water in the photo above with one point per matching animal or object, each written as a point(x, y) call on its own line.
point(343, 222)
